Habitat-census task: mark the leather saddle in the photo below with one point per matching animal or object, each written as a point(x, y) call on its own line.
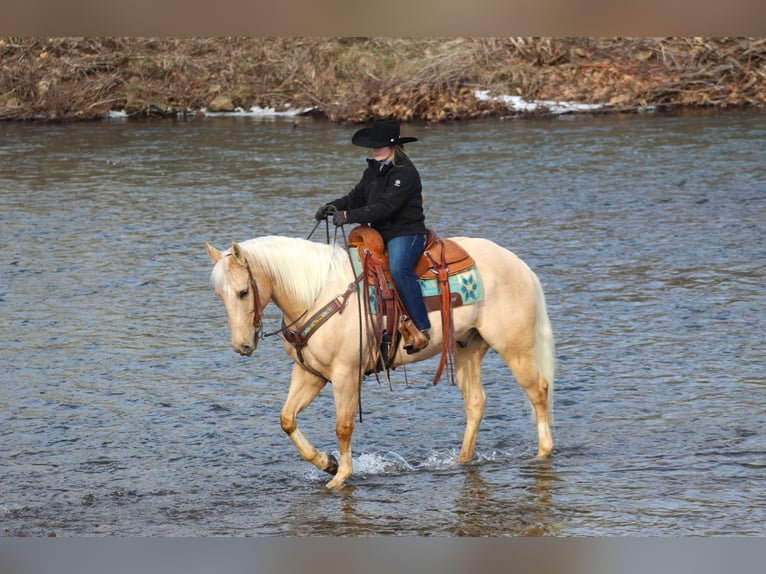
point(437, 252)
point(440, 259)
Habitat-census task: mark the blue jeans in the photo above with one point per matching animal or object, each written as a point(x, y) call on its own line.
point(403, 253)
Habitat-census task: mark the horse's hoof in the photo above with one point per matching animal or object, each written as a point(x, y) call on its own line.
point(332, 465)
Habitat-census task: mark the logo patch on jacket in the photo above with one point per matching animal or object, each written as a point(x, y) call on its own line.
point(398, 183)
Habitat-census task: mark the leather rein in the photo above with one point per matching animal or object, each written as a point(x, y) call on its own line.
point(299, 338)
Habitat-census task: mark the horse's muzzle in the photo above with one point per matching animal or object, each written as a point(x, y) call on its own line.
point(245, 349)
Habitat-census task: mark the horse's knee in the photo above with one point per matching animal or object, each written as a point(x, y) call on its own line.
point(287, 423)
point(344, 430)
point(478, 399)
point(542, 384)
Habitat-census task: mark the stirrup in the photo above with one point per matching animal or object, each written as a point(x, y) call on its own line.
point(418, 342)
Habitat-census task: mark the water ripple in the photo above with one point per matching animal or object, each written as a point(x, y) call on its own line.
point(125, 412)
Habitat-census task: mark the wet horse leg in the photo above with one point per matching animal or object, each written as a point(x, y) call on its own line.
point(529, 377)
point(468, 374)
point(346, 394)
point(304, 387)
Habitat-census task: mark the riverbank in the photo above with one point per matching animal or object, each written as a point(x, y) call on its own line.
point(356, 79)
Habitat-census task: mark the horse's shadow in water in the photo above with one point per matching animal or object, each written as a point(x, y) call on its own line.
point(481, 508)
point(525, 509)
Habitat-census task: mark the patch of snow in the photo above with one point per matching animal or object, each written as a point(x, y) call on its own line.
point(519, 104)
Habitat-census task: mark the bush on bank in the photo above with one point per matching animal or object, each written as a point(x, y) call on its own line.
point(356, 79)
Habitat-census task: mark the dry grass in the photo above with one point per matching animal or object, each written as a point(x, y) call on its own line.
point(356, 79)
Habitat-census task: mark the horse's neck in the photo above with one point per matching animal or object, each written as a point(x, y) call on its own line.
point(300, 272)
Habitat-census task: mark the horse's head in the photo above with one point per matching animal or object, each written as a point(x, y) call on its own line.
point(244, 290)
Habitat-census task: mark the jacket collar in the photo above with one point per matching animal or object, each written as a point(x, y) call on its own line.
point(376, 166)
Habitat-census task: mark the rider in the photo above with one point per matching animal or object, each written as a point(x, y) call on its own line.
point(389, 198)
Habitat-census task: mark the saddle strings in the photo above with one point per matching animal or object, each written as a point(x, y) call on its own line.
point(360, 372)
point(358, 295)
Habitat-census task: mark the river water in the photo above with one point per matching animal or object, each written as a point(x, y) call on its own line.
point(124, 412)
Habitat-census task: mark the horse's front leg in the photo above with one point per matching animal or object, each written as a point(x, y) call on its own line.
point(304, 387)
point(345, 388)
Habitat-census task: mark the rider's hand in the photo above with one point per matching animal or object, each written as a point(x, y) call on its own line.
point(323, 212)
point(339, 218)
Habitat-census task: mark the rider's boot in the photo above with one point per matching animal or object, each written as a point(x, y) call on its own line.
point(415, 339)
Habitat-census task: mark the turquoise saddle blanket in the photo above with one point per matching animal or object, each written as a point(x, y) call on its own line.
point(465, 287)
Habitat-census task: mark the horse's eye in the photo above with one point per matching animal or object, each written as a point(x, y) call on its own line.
point(243, 293)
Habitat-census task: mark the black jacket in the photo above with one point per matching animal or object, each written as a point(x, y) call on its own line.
point(390, 200)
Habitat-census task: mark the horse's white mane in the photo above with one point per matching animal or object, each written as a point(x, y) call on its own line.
point(298, 267)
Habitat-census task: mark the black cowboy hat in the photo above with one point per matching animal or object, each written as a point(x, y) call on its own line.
point(382, 133)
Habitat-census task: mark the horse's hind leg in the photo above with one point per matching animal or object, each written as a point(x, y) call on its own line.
point(468, 374)
point(529, 377)
point(304, 387)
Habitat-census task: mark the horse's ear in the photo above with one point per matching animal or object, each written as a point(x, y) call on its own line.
point(238, 253)
point(213, 253)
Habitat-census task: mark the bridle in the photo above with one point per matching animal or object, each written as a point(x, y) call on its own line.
point(257, 308)
point(299, 340)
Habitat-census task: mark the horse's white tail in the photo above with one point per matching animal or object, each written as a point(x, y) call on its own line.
point(544, 343)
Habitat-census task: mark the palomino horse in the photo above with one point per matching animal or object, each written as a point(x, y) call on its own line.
point(302, 276)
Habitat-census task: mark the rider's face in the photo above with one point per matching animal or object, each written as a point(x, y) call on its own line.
point(382, 153)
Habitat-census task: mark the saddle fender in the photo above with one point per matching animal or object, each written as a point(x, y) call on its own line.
point(440, 259)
